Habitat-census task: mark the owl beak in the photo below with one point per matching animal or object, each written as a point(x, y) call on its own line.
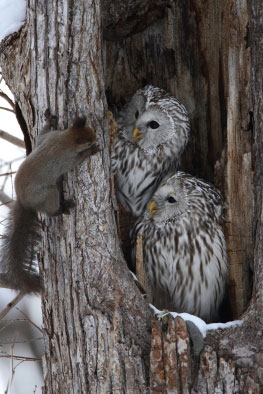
point(152, 207)
point(136, 133)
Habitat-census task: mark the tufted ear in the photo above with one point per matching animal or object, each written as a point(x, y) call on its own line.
point(84, 135)
point(78, 122)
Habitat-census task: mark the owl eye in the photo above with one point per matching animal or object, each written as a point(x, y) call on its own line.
point(171, 200)
point(153, 124)
point(136, 114)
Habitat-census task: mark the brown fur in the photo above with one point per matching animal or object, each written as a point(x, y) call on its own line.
point(37, 190)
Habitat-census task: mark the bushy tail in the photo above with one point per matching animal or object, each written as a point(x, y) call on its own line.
point(18, 250)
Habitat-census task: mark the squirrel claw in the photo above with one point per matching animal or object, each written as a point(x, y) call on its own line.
point(66, 206)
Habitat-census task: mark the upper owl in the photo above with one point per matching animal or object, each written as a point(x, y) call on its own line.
point(153, 129)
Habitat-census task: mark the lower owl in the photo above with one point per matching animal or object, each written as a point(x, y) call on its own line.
point(184, 250)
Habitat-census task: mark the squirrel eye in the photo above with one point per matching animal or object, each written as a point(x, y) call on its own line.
point(136, 114)
point(171, 200)
point(153, 124)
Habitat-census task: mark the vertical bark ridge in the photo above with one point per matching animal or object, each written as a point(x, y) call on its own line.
point(96, 322)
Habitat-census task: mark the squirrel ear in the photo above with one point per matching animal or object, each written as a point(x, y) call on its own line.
point(85, 135)
point(78, 122)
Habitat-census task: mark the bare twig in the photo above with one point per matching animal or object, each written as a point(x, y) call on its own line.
point(27, 318)
point(8, 173)
point(19, 319)
point(23, 358)
point(26, 341)
point(12, 361)
point(8, 322)
point(7, 98)
point(9, 163)
point(7, 109)
point(4, 199)
point(11, 305)
point(10, 138)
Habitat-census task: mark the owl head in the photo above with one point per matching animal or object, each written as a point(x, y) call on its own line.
point(153, 118)
point(180, 195)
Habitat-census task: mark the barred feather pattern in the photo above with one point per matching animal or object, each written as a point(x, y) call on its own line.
point(139, 163)
point(184, 246)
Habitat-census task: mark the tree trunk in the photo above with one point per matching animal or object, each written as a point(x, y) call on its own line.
point(208, 54)
point(96, 322)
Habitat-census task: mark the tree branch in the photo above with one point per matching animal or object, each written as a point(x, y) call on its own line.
point(4, 199)
point(13, 140)
point(8, 173)
point(8, 99)
point(23, 358)
point(7, 109)
point(29, 320)
point(11, 305)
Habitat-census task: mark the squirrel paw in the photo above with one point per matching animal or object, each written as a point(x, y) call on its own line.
point(51, 120)
point(66, 206)
point(94, 148)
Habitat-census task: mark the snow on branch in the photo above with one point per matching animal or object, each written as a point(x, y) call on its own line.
point(12, 16)
point(201, 324)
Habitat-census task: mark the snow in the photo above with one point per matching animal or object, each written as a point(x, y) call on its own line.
point(201, 324)
point(12, 16)
point(134, 276)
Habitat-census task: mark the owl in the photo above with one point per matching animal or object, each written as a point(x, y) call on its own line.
point(184, 250)
point(153, 130)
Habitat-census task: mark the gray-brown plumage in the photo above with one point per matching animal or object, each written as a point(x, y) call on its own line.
point(184, 247)
point(153, 131)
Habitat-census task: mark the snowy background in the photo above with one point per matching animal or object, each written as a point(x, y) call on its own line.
point(12, 16)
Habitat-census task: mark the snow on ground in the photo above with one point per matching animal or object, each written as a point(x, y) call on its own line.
point(12, 16)
point(203, 327)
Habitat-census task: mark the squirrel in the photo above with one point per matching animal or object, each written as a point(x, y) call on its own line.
point(37, 186)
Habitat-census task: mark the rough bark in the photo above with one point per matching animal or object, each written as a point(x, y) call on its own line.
point(123, 18)
point(96, 322)
point(232, 360)
point(255, 39)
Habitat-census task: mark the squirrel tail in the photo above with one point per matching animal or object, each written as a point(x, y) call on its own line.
point(19, 269)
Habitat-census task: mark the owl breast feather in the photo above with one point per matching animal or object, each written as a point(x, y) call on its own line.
point(138, 173)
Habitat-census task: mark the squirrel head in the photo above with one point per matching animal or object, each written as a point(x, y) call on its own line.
point(82, 134)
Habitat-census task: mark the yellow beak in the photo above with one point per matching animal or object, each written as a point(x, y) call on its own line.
point(136, 133)
point(152, 206)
